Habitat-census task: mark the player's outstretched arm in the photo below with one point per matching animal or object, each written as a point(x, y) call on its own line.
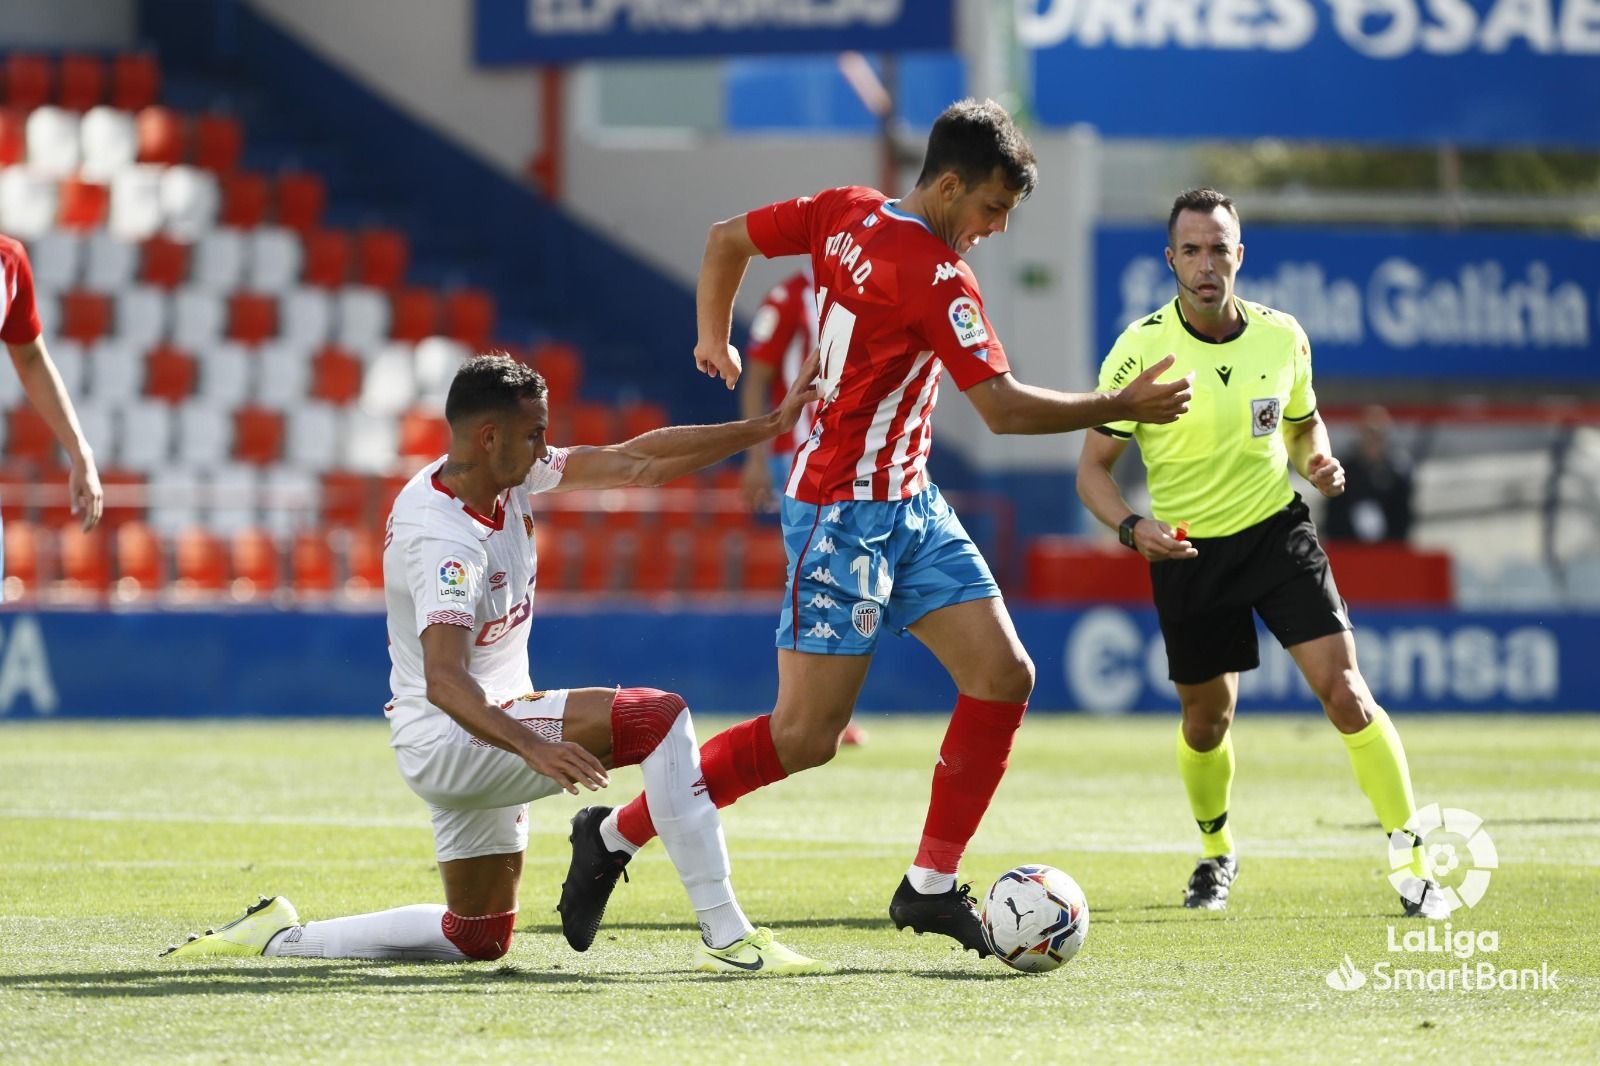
point(729, 250)
point(446, 653)
point(1099, 492)
point(657, 457)
point(1009, 406)
point(42, 385)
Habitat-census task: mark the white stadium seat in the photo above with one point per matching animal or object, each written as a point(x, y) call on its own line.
point(275, 257)
point(145, 437)
point(70, 364)
point(11, 394)
point(109, 141)
point(198, 318)
point(231, 495)
point(28, 201)
point(142, 316)
point(219, 260)
point(370, 442)
point(52, 139)
point(363, 319)
point(57, 259)
point(437, 360)
point(311, 437)
point(289, 500)
point(114, 372)
point(175, 493)
point(283, 374)
point(99, 429)
point(49, 308)
point(112, 263)
point(225, 375)
point(205, 435)
point(305, 316)
point(189, 201)
point(389, 386)
point(136, 211)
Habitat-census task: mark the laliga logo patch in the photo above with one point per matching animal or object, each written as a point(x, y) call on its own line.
point(967, 321)
point(453, 580)
point(864, 616)
point(1264, 417)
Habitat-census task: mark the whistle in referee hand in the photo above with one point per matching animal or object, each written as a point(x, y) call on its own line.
point(1181, 531)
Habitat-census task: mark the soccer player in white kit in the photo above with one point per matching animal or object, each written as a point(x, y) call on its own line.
point(472, 737)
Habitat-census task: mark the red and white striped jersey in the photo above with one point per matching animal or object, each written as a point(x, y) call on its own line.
point(446, 564)
point(19, 315)
point(897, 307)
point(781, 335)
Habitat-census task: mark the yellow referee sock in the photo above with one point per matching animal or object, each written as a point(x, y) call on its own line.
point(1379, 760)
point(1208, 778)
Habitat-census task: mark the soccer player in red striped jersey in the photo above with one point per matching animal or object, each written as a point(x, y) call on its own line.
point(872, 544)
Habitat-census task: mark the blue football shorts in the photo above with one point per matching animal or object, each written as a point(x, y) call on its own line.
point(857, 567)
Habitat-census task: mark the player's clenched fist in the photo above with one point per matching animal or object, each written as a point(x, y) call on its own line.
point(719, 361)
point(567, 764)
point(1326, 473)
point(1149, 400)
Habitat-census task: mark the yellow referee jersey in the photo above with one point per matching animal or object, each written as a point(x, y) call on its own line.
point(1223, 465)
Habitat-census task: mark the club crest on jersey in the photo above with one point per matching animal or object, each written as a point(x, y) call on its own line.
point(864, 616)
point(967, 321)
point(1264, 417)
point(527, 526)
point(452, 580)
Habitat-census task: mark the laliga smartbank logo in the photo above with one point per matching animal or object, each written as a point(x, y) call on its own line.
point(1458, 857)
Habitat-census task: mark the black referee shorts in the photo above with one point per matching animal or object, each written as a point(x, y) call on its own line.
point(1275, 568)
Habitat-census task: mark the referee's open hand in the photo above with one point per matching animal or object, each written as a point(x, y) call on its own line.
point(1155, 542)
point(1148, 400)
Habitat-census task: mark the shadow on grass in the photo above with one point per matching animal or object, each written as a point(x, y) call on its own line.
point(553, 926)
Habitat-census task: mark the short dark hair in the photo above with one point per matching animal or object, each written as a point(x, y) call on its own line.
point(493, 382)
point(973, 139)
point(1204, 200)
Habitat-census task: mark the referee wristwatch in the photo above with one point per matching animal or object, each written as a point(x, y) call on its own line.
point(1125, 531)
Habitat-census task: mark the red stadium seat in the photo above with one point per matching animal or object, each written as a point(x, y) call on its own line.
point(135, 81)
point(256, 566)
point(382, 256)
point(640, 418)
point(200, 561)
point(28, 80)
point(364, 562)
point(83, 204)
point(414, 314)
point(55, 511)
point(607, 554)
point(764, 567)
point(335, 376)
point(119, 486)
point(252, 317)
point(1063, 569)
point(424, 435)
point(85, 316)
point(469, 318)
point(311, 562)
point(384, 490)
point(257, 435)
point(553, 559)
point(141, 569)
point(22, 559)
point(327, 260)
point(83, 82)
point(346, 499)
point(218, 143)
point(562, 370)
point(589, 423)
point(28, 437)
point(161, 136)
point(13, 135)
point(245, 200)
point(164, 262)
point(85, 561)
point(169, 374)
point(301, 199)
point(709, 555)
point(658, 564)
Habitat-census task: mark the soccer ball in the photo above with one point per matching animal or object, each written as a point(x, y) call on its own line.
point(1035, 918)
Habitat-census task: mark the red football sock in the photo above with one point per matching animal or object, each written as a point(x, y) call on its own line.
point(972, 760)
point(734, 762)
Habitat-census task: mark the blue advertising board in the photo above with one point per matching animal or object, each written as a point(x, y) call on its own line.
point(134, 664)
point(563, 31)
point(1392, 303)
point(1482, 72)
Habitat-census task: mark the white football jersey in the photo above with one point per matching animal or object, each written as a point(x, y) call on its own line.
point(446, 564)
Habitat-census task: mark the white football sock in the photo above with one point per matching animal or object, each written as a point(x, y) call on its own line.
point(930, 882)
point(412, 933)
point(612, 837)
point(691, 830)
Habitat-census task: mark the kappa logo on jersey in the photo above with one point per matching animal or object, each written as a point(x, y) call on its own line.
point(822, 600)
point(944, 272)
point(823, 575)
point(967, 321)
point(825, 546)
point(453, 580)
point(864, 616)
point(823, 630)
point(497, 581)
point(1264, 417)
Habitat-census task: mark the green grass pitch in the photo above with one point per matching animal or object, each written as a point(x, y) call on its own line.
point(118, 838)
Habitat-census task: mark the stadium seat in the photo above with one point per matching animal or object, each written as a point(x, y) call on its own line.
point(327, 258)
point(335, 376)
point(364, 562)
point(311, 563)
point(164, 262)
point(200, 561)
point(288, 499)
point(256, 565)
point(658, 566)
point(305, 317)
point(136, 203)
point(143, 316)
point(82, 82)
point(763, 566)
point(85, 316)
point(424, 436)
point(469, 317)
point(29, 80)
point(22, 546)
point(637, 418)
point(145, 432)
point(312, 437)
point(68, 355)
point(53, 509)
point(190, 199)
point(389, 386)
point(362, 314)
point(274, 259)
point(218, 143)
point(385, 488)
point(252, 317)
point(85, 561)
point(246, 199)
point(205, 436)
point(135, 81)
point(301, 200)
point(225, 378)
point(198, 318)
point(283, 374)
point(114, 374)
point(1062, 569)
point(13, 136)
point(382, 256)
point(169, 374)
point(110, 143)
point(219, 260)
point(561, 368)
point(345, 500)
point(27, 202)
point(57, 258)
point(53, 142)
point(710, 555)
point(82, 205)
point(257, 435)
point(414, 314)
point(110, 263)
point(140, 565)
point(28, 436)
point(124, 490)
point(588, 423)
point(436, 362)
point(159, 134)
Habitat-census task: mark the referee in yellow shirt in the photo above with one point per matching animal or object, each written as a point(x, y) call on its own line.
point(1221, 472)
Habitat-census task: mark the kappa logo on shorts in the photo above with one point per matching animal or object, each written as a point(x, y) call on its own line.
point(967, 321)
point(452, 580)
point(864, 616)
point(825, 546)
point(823, 630)
point(1264, 417)
point(822, 600)
point(823, 575)
point(833, 515)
